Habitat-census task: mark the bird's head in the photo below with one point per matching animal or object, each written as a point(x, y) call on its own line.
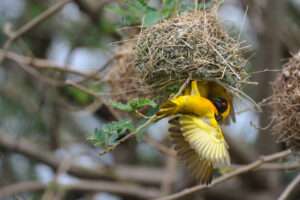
point(222, 106)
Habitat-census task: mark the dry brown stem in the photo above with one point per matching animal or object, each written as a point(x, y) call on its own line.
point(135, 174)
point(252, 166)
point(13, 36)
point(289, 189)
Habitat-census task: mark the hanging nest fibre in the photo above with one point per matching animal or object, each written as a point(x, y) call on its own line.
point(285, 104)
point(192, 46)
point(123, 77)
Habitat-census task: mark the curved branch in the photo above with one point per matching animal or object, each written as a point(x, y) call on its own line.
point(252, 166)
point(12, 36)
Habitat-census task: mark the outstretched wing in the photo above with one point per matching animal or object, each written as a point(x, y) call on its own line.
point(206, 140)
point(201, 169)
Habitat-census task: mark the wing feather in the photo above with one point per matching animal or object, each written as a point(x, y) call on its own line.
point(207, 141)
point(200, 168)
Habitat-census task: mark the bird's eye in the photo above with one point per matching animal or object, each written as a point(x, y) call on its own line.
point(220, 103)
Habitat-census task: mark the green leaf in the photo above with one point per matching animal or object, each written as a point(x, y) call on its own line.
point(110, 133)
point(77, 96)
point(133, 12)
point(173, 88)
point(151, 17)
point(169, 7)
point(169, 3)
point(36, 9)
point(134, 104)
point(140, 5)
point(140, 103)
point(142, 2)
point(121, 106)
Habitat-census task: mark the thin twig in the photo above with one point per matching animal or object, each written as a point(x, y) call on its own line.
point(184, 85)
point(170, 175)
point(35, 74)
point(221, 179)
point(285, 166)
point(43, 64)
point(288, 190)
point(51, 192)
point(31, 24)
point(27, 186)
point(280, 166)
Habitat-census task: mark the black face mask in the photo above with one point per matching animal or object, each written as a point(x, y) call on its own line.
point(220, 103)
point(218, 117)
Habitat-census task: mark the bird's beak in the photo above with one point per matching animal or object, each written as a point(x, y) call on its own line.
point(218, 117)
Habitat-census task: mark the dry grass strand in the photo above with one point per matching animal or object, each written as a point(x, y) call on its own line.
point(195, 45)
point(285, 104)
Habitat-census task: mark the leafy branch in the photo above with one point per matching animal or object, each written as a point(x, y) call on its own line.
point(109, 134)
point(140, 12)
point(134, 105)
point(114, 133)
point(128, 136)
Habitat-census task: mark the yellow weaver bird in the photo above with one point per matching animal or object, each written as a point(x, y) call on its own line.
point(219, 96)
point(195, 129)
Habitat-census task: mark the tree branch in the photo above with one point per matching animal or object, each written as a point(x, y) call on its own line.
point(12, 36)
point(276, 166)
point(83, 185)
point(136, 174)
point(241, 170)
point(288, 190)
point(42, 64)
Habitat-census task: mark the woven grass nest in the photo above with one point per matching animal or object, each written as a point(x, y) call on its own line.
point(123, 78)
point(193, 46)
point(286, 104)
